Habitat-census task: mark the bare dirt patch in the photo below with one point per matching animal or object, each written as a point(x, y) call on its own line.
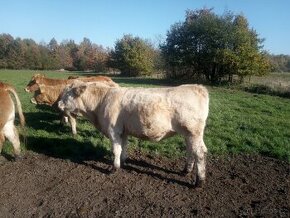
point(44, 186)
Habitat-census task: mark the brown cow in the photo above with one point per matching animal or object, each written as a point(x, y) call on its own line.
point(49, 95)
point(7, 116)
point(47, 91)
point(37, 79)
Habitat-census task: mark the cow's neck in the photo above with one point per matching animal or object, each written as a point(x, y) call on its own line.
point(91, 100)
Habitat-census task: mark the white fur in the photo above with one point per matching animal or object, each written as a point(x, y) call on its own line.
point(147, 113)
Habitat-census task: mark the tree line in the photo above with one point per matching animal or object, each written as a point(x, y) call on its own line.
point(205, 46)
point(279, 63)
point(27, 54)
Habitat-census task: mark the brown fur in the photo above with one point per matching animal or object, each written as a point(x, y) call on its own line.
point(7, 115)
point(48, 94)
point(6, 103)
point(38, 79)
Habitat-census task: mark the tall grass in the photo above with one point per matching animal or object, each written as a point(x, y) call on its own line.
point(277, 84)
point(239, 122)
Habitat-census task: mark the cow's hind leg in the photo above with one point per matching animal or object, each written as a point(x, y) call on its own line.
point(189, 157)
point(197, 155)
point(2, 139)
point(11, 134)
point(124, 149)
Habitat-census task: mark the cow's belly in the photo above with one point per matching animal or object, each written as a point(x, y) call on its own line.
point(153, 130)
point(152, 136)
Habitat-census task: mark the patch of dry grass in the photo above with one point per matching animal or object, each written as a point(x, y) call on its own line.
point(273, 84)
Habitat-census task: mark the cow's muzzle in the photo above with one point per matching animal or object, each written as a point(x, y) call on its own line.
point(61, 105)
point(33, 101)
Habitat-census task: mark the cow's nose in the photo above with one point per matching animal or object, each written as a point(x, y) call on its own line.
point(26, 90)
point(33, 101)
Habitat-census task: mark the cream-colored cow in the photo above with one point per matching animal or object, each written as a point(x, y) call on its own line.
point(146, 113)
point(7, 116)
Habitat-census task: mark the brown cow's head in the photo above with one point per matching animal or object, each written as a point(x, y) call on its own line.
point(32, 86)
point(38, 97)
point(47, 94)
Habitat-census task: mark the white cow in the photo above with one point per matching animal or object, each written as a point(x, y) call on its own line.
point(146, 113)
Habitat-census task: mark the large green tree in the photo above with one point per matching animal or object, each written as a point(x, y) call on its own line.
point(212, 47)
point(133, 56)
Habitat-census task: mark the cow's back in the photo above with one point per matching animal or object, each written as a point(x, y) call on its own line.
point(180, 99)
point(103, 79)
point(52, 82)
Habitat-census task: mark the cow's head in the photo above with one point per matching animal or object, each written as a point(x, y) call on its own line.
point(40, 97)
point(70, 100)
point(47, 94)
point(33, 84)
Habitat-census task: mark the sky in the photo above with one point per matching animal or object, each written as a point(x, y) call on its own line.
point(106, 21)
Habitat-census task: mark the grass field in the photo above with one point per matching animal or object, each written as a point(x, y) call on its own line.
point(239, 122)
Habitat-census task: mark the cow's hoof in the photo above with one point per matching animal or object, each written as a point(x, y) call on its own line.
point(18, 158)
point(123, 163)
point(2, 159)
point(199, 184)
point(113, 170)
point(185, 172)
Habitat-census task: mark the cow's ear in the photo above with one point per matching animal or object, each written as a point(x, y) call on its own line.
point(78, 91)
point(40, 75)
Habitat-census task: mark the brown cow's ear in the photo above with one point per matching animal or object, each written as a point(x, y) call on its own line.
point(80, 90)
point(40, 75)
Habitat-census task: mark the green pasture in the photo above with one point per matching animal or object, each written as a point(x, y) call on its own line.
point(239, 122)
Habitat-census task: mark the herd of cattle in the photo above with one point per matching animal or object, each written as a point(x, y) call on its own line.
point(118, 112)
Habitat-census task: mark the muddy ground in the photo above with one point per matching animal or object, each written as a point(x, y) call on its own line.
point(44, 186)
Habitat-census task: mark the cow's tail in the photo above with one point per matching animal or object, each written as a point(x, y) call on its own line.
point(18, 104)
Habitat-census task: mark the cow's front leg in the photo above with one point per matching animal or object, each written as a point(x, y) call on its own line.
point(117, 151)
point(73, 124)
